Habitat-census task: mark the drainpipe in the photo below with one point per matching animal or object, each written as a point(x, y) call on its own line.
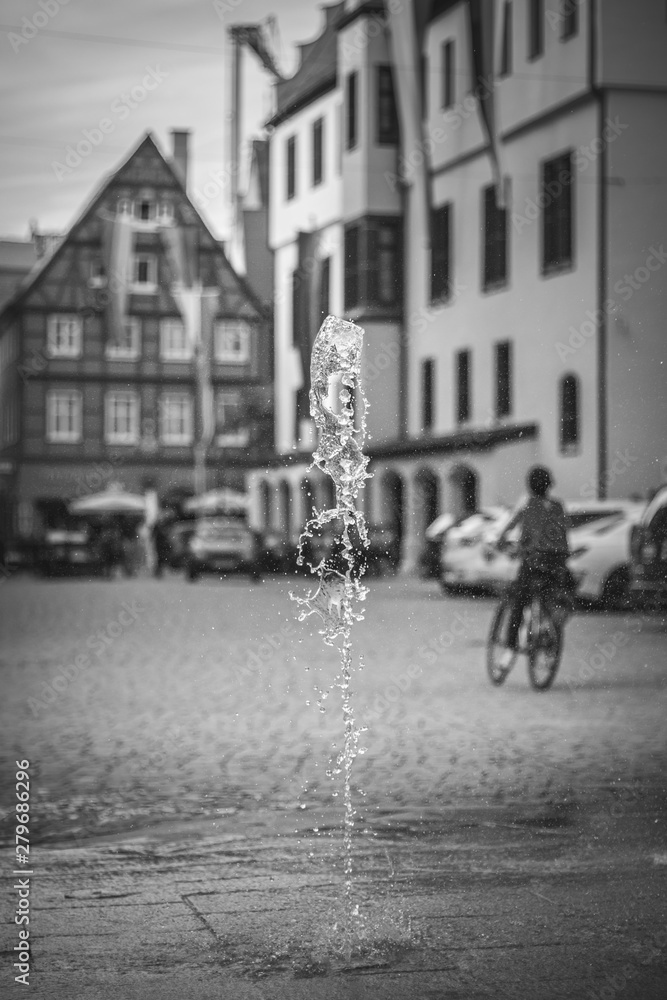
point(602, 337)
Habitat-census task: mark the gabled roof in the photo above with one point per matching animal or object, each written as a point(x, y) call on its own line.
point(146, 144)
point(316, 72)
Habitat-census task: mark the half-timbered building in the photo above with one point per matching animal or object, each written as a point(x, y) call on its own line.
point(135, 354)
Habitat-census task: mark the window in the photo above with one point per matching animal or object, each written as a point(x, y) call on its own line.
point(232, 341)
point(63, 335)
point(127, 345)
point(448, 92)
point(569, 414)
point(165, 212)
point(125, 206)
point(63, 416)
point(144, 272)
point(98, 275)
point(495, 239)
point(569, 19)
point(463, 386)
point(325, 288)
point(383, 271)
point(503, 379)
point(440, 253)
point(121, 418)
point(535, 28)
point(351, 136)
point(290, 166)
point(387, 121)
point(352, 261)
point(174, 344)
point(556, 198)
point(229, 420)
point(176, 418)
point(428, 371)
point(145, 210)
point(506, 50)
point(373, 264)
point(318, 151)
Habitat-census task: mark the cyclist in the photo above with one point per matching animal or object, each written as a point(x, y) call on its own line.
point(543, 549)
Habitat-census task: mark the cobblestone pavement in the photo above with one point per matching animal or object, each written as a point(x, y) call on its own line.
point(186, 839)
point(143, 700)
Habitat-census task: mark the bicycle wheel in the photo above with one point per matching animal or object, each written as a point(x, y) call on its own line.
point(497, 664)
point(544, 647)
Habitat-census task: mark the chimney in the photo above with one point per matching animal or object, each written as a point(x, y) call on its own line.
point(179, 152)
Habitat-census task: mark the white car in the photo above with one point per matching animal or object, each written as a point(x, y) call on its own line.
point(601, 557)
point(463, 561)
point(469, 557)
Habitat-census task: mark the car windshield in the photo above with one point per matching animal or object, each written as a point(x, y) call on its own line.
point(576, 519)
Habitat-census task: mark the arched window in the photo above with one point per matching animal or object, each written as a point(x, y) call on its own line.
point(569, 413)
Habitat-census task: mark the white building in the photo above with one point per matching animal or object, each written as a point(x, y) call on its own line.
point(495, 336)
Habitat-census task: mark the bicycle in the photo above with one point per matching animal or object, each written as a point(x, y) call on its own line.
point(540, 636)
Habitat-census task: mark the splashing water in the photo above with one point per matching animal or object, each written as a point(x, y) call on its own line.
point(335, 381)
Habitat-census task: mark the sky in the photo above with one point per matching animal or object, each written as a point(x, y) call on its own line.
point(67, 64)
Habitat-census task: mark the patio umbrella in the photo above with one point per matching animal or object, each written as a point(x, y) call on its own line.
point(112, 501)
point(224, 500)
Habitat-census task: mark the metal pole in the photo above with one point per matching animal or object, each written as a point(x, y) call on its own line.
point(235, 129)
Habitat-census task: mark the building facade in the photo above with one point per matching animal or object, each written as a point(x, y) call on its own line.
point(133, 355)
point(491, 205)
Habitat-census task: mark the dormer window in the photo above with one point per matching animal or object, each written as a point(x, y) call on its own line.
point(165, 211)
point(146, 210)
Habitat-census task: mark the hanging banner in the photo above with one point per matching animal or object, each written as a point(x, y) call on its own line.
point(179, 255)
point(205, 399)
point(481, 15)
point(118, 264)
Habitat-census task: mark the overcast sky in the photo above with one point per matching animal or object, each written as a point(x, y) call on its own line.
point(55, 85)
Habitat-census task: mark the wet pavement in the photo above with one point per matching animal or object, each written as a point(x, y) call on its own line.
point(186, 837)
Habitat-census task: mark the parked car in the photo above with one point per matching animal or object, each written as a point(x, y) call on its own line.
point(64, 551)
point(648, 574)
point(469, 557)
point(600, 559)
point(463, 559)
point(222, 545)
